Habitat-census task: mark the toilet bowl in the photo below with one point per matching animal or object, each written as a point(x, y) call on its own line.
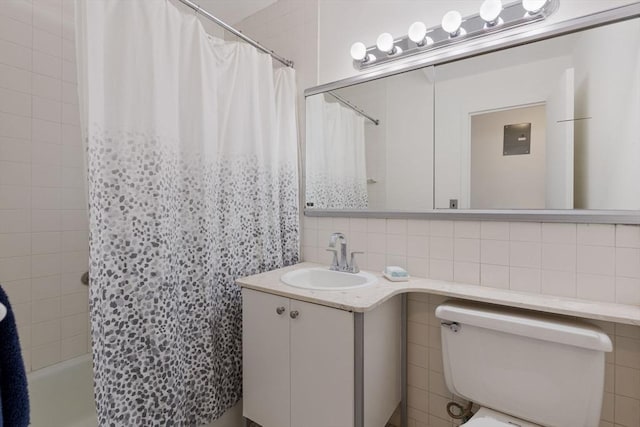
point(486, 417)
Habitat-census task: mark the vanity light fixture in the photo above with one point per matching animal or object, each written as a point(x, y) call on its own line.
point(533, 6)
point(493, 16)
point(385, 44)
point(418, 34)
point(490, 12)
point(451, 23)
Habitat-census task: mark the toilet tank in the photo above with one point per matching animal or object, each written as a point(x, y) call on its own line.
point(545, 369)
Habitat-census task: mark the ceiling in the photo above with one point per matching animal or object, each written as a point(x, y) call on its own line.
point(233, 11)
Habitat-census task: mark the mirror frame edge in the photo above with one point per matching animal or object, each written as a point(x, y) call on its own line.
point(489, 44)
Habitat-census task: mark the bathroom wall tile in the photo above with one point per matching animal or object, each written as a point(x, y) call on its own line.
point(47, 43)
point(596, 234)
point(524, 279)
point(466, 272)
point(441, 228)
point(559, 257)
point(441, 269)
point(14, 197)
point(45, 220)
point(15, 79)
point(47, 65)
point(13, 102)
point(397, 260)
point(15, 31)
point(418, 227)
point(357, 241)
point(46, 87)
point(494, 276)
point(45, 332)
point(627, 382)
point(45, 355)
point(15, 174)
point(559, 283)
point(494, 230)
point(417, 355)
point(15, 55)
point(46, 109)
point(417, 377)
point(14, 126)
point(18, 291)
point(627, 290)
point(376, 225)
point(525, 232)
point(358, 225)
point(627, 411)
point(559, 233)
point(608, 407)
point(627, 262)
point(417, 334)
point(74, 304)
point(17, 9)
point(397, 244)
point(417, 313)
point(45, 310)
point(627, 236)
point(14, 221)
point(397, 226)
point(467, 250)
point(45, 287)
point(524, 254)
point(626, 352)
point(73, 346)
point(441, 248)
point(46, 176)
point(494, 252)
point(46, 131)
point(418, 267)
point(309, 237)
point(418, 399)
point(340, 225)
point(69, 93)
point(376, 262)
point(310, 222)
point(15, 245)
point(596, 260)
point(376, 242)
point(68, 50)
point(15, 150)
point(74, 325)
point(69, 74)
point(15, 268)
point(45, 264)
point(596, 287)
point(44, 154)
point(467, 229)
point(418, 246)
point(438, 406)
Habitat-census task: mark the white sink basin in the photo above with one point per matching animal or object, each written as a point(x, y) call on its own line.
point(325, 279)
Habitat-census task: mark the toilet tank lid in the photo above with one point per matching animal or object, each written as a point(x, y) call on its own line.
point(526, 323)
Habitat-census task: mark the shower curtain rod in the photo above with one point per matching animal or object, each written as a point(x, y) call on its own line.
point(354, 108)
point(235, 32)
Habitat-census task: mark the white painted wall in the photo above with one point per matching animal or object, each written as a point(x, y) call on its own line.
point(507, 182)
point(607, 146)
point(341, 23)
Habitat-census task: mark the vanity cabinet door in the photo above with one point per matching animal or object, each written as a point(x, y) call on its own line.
point(322, 372)
point(265, 352)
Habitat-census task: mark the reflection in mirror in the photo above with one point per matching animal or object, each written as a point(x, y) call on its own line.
point(549, 125)
point(352, 163)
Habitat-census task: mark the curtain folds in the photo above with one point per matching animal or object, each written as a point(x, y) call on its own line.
point(336, 166)
point(192, 182)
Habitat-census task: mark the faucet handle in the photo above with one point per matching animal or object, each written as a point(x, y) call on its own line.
point(353, 265)
point(334, 261)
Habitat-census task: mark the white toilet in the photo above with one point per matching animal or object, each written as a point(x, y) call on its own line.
point(523, 368)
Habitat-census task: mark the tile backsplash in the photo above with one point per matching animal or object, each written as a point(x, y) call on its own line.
point(43, 218)
point(599, 262)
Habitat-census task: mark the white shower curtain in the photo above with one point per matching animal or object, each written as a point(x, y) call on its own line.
point(192, 182)
point(336, 176)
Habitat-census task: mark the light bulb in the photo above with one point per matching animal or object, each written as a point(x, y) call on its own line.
point(358, 51)
point(490, 11)
point(417, 32)
point(385, 43)
point(451, 22)
point(533, 6)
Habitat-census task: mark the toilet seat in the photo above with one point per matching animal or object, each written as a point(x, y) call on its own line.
point(486, 417)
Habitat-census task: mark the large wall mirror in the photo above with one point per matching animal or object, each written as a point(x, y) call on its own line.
point(551, 124)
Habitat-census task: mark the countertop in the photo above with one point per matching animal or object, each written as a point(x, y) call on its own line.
point(367, 298)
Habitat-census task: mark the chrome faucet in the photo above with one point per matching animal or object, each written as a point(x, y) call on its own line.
point(340, 263)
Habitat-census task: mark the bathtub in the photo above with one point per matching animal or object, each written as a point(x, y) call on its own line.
point(62, 395)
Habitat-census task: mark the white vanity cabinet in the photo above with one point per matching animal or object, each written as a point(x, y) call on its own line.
point(308, 365)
